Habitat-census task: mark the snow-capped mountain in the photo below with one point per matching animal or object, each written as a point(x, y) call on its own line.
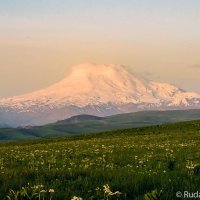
point(99, 90)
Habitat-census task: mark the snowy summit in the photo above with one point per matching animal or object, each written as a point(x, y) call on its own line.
point(99, 90)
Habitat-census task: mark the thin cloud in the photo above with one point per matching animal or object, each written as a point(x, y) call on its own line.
point(195, 66)
point(149, 76)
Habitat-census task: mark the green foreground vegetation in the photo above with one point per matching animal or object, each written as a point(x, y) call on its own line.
point(141, 163)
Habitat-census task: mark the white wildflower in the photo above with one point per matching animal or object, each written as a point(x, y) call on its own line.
point(43, 191)
point(76, 198)
point(51, 190)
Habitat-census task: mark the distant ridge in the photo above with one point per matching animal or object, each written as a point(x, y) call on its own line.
point(78, 119)
point(88, 123)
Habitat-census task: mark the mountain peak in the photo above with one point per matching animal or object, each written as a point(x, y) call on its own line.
point(99, 89)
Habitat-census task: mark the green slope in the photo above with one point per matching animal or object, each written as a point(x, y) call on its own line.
point(87, 123)
point(133, 161)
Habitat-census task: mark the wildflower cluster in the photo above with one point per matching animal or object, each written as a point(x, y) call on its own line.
point(31, 192)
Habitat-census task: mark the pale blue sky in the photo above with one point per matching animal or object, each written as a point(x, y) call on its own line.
point(40, 39)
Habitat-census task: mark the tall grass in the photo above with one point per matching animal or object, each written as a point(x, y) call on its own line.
point(132, 164)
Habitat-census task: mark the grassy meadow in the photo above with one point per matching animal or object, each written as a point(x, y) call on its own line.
point(140, 163)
